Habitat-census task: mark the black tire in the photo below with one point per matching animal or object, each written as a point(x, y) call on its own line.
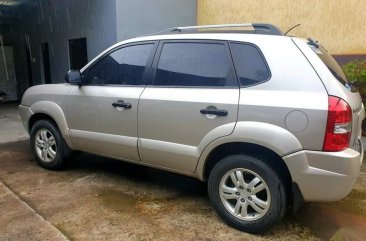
point(62, 150)
point(276, 186)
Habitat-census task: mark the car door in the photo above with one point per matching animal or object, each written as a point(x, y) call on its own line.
point(192, 100)
point(102, 113)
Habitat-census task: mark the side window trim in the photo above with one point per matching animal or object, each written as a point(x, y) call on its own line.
point(146, 70)
point(154, 67)
point(262, 56)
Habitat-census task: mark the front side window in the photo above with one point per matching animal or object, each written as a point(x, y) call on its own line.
point(124, 66)
point(194, 64)
point(249, 64)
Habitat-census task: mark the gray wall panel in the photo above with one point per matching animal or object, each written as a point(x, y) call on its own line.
point(141, 17)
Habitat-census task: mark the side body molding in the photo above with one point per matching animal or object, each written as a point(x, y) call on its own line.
point(55, 111)
point(267, 135)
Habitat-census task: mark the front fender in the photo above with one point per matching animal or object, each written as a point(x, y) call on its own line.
point(56, 113)
point(273, 137)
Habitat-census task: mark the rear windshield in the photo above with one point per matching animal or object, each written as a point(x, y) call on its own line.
point(330, 62)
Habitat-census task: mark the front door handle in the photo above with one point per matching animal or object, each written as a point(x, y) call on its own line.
point(214, 112)
point(123, 105)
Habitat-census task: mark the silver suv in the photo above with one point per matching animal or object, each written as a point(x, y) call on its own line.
point(268, 120)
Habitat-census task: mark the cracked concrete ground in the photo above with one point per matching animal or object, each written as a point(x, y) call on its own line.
point(97, 198)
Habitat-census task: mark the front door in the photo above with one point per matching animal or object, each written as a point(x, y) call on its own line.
point(193, 94)
point(102, 114)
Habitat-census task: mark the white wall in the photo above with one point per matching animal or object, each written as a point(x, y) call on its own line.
point(63, 20)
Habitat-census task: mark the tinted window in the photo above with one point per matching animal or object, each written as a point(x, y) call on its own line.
point(332, 65)
point(124, 66)
point(249, 64)
point(193, 64)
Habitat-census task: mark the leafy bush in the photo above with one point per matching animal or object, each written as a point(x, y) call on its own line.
point(356, 72)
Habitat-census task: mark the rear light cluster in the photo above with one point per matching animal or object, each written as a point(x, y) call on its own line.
point(339, 125)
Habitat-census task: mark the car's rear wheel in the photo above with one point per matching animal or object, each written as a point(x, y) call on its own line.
point(47, 145)
point(247, 193)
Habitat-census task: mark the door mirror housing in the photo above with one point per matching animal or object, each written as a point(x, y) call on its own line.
point(73, 77)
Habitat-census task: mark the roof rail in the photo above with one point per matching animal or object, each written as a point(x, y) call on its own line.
point(238, 25)
point(258, 28)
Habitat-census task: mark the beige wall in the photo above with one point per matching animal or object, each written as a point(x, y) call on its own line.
point(340, 25)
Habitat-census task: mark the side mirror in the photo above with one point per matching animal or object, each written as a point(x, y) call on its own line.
point(73, 77)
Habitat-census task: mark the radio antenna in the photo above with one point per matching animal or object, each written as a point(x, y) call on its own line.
point(297, 25)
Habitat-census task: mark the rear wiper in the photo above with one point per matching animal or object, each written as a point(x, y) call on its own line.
point(316, 44)
point(313, 43)
point(352, 86)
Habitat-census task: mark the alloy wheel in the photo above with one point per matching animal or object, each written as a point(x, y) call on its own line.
point(45, 145)
point(245, 194)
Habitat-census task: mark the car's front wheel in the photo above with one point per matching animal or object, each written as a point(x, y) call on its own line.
point(247, 193)
point(47, 145)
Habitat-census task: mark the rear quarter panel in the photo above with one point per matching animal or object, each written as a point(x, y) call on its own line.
point(294, 98)
point(335, 88)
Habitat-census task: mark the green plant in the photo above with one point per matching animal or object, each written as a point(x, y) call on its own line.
point(355, 71)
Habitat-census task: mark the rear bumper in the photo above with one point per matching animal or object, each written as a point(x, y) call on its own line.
point(325, 176)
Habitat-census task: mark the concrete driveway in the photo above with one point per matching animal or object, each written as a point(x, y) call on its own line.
point(97, 198)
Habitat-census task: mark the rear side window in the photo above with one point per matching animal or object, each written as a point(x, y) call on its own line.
point(124, 66)
point(250, 66)
point(194, 64)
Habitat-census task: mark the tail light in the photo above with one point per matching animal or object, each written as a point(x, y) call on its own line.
point(339, 125)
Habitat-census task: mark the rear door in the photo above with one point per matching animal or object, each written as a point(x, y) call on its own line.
point(193, 92)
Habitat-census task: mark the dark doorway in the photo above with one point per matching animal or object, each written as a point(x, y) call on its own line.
point(46, 63)
point(78, 53)
point(29, 66)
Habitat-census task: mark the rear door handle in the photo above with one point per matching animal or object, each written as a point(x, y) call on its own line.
point(214, 112)
point(123, 105)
